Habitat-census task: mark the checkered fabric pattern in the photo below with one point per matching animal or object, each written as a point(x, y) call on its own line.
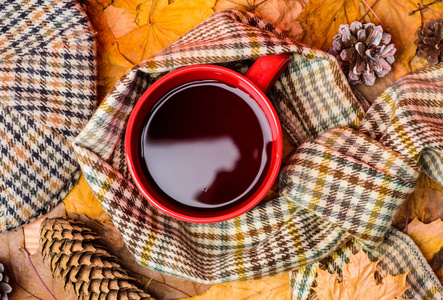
point(351, 180)
point(406, 118)
point(47, 94)
point(300, 227)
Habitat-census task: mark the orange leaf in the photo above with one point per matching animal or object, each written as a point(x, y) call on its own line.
point(143, 28)
point(281, 13)
point(358, 276)
point(429, 238)
point(111, 64)
point(276, 287)
point(433, 11)
point(321, 20)
point(81, 200)
point(359, 282)
point(330, 288)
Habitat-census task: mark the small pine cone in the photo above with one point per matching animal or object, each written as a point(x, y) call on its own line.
point(430, 41)
point(363, 52)
point(5, 288)
point(75, 254)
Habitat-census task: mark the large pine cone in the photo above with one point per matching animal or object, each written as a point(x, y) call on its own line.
point(363, 52)
point(430, 41)
point(5, 288)
point(75, 254)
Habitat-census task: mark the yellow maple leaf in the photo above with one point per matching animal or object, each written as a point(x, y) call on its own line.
point(111, 64)
point(359, 282)
point(143, 28)
point(81, 200)
point(433, 11)
point(321, 20)
point(281, 13)
point(276, 287)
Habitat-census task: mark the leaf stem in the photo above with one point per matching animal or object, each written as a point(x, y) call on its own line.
point(26, 253)
point(367, 12)
point(424, 7)
point(375, 15)
point(277, 287)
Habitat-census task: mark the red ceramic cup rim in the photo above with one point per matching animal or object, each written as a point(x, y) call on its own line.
point(152, 95)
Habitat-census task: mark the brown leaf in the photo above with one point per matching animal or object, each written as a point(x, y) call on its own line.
point(429, 238)
point(321, 20)
point(426, 203)
point(276, 287)
point(282, 13)
point(359, 282)
point(372, 92)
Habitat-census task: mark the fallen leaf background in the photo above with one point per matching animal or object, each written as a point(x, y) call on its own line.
point(276, 287)
point(129, 31)
point(359, 282)
point(426, 203)
point(429, 238)
point(282, 13)
point(143, 28)
point(81, 200)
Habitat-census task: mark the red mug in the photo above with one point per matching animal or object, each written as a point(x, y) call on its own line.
point(256, 82)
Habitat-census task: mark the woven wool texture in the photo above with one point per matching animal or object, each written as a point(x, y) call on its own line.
point(341, 183)
point(47, 94)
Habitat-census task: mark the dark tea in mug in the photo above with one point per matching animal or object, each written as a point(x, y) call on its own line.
point(205, 145)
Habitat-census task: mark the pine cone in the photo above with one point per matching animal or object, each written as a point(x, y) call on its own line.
point(363, 52)
point(74, 253)
point(430, 41)
point(5, 288)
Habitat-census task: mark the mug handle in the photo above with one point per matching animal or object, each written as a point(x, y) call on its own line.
point(267, 69)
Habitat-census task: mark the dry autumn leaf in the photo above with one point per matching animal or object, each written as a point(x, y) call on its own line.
point(426, 203)
point(429, 238)
point(282, 13)
point(276, 287)
point(359, 282)
point(321, 20)
point(111, 64)
point(143, 28)
point(432, 10)
point(81, 200)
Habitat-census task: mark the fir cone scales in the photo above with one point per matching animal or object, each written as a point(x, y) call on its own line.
point(430, 41)
point(5, 288)
point(73, 253)
point(363, 51)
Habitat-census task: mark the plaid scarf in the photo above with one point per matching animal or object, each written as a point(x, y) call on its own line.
point(340, 188)
point(47, 94)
